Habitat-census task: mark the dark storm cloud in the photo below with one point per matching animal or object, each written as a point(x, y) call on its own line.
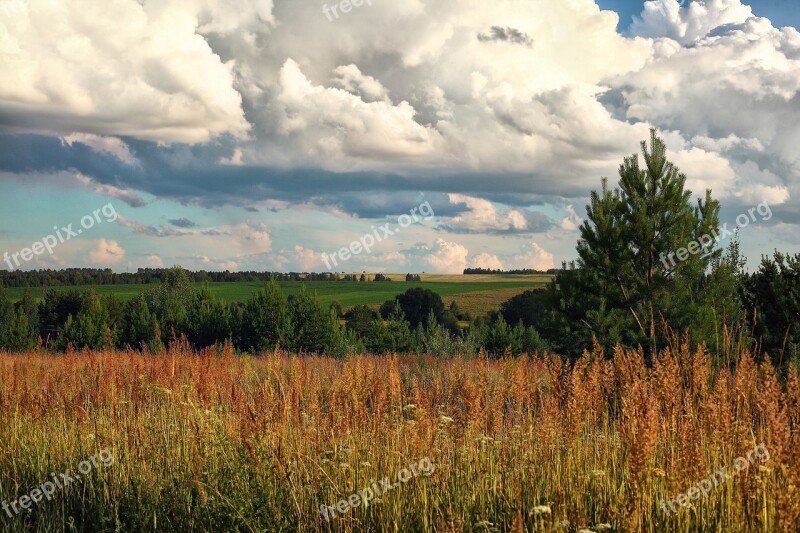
point(192, 174)
point(23, 154)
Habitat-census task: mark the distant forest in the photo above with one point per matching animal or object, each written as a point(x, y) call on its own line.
point(472, 271)
point(97, 276)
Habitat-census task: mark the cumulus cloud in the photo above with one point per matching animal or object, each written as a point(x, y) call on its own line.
point(751, 67)
point(572, 221)
point(667, 18)
point(337, 123)
point(392, 102)
point(447, 257)
point(488, 261)
point(151, 76)
point(534, 256)
point(155, 261)
point(225, 17)
point(215, 263)
point(308, 259)
point(350, 78)
point(482, 216)
point(106, 253)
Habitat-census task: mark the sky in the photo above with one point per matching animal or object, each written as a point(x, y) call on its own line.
point(421, 135)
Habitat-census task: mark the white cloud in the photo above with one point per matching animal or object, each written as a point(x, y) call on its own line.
point(738, 118)
point(447, 257)
point(488, 261)
point(410, 89)
point(233, 16)
point(307, 259)
point(483, 216)
point(350, 78)
point(666, 18)
point(534, 256)
point(155, 261)
point(572, 221)
point(120, 67)
point(109, 145)
point(336, 123)
point(215, 263)
point(106, 253)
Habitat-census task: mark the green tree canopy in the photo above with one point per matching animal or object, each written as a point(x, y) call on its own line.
point(644, 254)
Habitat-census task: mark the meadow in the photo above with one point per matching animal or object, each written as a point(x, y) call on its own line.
point(476, 294)
point(219, 442)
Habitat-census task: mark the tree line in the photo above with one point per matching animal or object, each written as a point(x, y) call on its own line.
point(145, 276)
point(526, 271)
point(176, 308)
point(620, 291)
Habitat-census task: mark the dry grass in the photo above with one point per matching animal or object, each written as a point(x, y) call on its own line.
point(477, 278)
point(481, 302)
point(224, 443)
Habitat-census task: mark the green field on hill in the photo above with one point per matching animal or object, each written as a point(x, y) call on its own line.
point(475, 294)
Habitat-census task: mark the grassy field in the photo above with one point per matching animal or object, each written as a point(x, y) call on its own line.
point(476, 294)
point(226, 443)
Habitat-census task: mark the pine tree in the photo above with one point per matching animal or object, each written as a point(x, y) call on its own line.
point(141, 327)
point(7, 317)
point(92, 327)
point(209, 320)
point(19, 336)
point(265, 320)
point(628, 274)
point(312, 326)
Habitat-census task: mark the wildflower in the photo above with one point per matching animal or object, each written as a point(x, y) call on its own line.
point(539, 510)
